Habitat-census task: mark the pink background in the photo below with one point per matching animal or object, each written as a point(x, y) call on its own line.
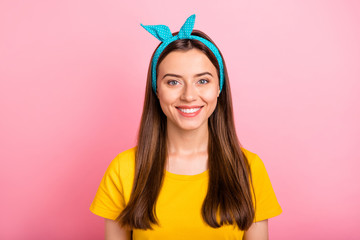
point(71, 92)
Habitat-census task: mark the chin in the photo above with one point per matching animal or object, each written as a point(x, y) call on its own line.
point(189, 127)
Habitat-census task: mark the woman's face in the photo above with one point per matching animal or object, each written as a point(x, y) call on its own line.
point(187, 88)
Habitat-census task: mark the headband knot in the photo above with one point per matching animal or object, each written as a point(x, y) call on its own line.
point(163, 33)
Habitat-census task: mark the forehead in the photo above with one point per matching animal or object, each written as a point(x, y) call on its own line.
point(186, 62)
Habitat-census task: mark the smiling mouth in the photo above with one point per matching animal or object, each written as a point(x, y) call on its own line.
point(189, 110)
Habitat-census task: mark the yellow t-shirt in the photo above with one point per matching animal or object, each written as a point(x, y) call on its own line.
point(178, 207)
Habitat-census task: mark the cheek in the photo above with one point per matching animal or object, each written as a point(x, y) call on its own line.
point(166, 102)
point(210, 95)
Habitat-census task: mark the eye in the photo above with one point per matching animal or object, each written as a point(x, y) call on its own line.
point(203, 81)
point(172, 82)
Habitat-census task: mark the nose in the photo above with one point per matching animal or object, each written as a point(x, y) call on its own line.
point(188, 93)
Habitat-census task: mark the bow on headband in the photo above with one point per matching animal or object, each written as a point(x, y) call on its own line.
point(163, 33)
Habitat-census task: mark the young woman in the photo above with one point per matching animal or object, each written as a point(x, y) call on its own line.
point(188, 177)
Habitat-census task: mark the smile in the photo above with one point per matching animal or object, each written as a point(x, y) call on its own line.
point(189, 110)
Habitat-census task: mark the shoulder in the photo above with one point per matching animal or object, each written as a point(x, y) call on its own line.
point(257, 166)
point(266, 203)
point(115, 187)
point(126, 156)
point(252, 158)
point(125, 160)
point(123, 164)
point(121, 171)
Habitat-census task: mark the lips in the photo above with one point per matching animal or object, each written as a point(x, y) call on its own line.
point(189, 111)
point(189, 107)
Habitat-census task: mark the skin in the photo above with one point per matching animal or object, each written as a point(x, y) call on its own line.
point(187, 138)
point(257, 230)
point(113, 231)
point(179, 83)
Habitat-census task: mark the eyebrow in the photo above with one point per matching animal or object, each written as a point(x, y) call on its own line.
point(179, 76)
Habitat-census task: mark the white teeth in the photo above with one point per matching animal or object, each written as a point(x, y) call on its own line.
point(191, 110)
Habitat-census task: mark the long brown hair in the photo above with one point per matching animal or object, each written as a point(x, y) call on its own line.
point(230, 178)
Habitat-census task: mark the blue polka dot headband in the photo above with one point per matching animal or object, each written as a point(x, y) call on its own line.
point(162, 32)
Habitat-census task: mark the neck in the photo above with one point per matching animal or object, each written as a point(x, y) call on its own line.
point(185, 142)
